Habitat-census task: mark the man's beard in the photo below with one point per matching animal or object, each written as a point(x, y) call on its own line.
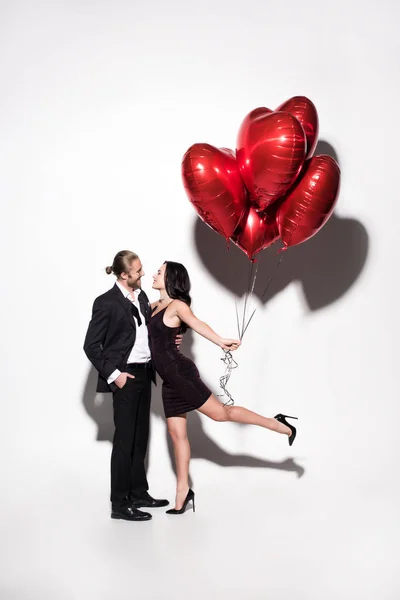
point(136, 285)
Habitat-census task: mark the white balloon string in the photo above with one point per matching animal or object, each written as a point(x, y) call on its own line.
point(251, 267)
point(249, 294)
point(263, 294)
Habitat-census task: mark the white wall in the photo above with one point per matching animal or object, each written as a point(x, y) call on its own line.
point(99, 102)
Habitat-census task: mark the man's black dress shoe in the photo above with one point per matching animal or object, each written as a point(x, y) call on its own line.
point(145, 500)
point(130, 514)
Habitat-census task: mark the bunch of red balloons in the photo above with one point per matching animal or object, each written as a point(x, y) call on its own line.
point(273, 187)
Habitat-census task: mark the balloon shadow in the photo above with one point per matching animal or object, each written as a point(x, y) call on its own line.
point(99, 408)
point(327, 265)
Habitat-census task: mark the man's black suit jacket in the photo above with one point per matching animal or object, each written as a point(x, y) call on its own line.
point(111, 334)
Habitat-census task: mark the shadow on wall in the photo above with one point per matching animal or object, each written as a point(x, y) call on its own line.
point(327, 265)
point(99, 408)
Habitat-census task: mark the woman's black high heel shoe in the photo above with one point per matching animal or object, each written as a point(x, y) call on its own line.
point(189, 497)
point(282, 419)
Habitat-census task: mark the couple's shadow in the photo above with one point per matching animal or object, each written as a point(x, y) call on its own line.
point(99, 408)
point(327, 267)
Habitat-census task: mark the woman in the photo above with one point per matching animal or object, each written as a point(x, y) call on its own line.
point(183, 390)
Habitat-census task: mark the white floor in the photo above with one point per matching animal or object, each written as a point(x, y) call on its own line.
point(257, 533)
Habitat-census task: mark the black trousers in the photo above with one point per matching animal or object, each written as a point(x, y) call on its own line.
point(132, 422)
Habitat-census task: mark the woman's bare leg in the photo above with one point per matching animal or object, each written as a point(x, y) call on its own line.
point(214, 409)
point(178, 432)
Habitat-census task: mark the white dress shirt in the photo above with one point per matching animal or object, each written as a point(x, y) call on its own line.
point(140, 352)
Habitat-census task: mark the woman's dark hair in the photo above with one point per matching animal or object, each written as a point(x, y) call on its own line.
point(177, 284)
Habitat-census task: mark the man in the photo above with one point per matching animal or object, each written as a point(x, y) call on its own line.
point(117, 345)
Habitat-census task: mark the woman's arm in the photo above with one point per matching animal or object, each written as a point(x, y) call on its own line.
point(186, 315)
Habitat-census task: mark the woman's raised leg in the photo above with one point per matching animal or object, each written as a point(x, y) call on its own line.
point(214, 409)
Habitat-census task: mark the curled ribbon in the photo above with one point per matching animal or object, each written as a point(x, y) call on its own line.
point(230, 364)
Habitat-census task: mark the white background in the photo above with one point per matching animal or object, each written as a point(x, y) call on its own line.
point(99, 102)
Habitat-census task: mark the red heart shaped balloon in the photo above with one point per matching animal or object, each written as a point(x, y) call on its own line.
point(311, 202)
point(304, 110)
point(252, 116)
point(256, 231)
point(214, 187)
point(271, 150)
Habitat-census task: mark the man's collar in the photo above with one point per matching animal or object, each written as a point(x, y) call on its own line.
point(126, 292)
